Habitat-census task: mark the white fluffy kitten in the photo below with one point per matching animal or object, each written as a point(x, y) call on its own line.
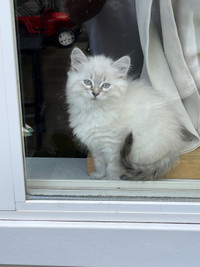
point(126, 125)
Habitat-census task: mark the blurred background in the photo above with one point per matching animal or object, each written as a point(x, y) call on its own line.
point(45, 38)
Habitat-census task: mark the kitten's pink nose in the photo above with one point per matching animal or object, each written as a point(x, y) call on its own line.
point(95, 94)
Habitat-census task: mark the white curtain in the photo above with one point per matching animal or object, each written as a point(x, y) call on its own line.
point(169, 34)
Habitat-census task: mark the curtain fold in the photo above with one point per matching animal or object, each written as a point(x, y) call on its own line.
point(171, 60)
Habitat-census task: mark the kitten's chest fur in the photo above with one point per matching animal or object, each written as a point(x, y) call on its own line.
point(99, 126)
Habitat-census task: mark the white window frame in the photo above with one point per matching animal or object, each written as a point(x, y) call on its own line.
point(42, 220)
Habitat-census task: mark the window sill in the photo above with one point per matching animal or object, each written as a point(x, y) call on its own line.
point(187, 168)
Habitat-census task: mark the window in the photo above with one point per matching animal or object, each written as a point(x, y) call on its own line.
point(46, 33)
point(55, 229)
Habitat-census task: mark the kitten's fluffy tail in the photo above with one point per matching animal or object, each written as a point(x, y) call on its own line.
point(144, 171)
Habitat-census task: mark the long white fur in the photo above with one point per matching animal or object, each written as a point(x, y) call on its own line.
point(102, 123)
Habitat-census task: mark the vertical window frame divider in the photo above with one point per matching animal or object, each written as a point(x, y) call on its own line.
point(12, 99)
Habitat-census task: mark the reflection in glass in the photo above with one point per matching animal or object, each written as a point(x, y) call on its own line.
point(45, 36)
point(43, 30)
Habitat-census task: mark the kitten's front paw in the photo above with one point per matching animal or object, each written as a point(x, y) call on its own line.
point(96, 176)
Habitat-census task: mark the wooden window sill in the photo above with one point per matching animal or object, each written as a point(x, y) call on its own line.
point(187, 168)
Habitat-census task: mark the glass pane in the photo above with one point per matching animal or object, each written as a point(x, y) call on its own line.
point(108, 89)
point(45, 36)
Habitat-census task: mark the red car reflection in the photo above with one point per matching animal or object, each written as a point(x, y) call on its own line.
point(49, 23)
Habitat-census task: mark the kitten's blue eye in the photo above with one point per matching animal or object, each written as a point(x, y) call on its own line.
point(87, 82)
point(105, 85)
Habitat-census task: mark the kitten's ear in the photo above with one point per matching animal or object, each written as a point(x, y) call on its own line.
point(122, 65)
point(77, 58)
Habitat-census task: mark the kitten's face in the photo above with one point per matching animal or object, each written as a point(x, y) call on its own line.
point(97, 78)
point(96, 88)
